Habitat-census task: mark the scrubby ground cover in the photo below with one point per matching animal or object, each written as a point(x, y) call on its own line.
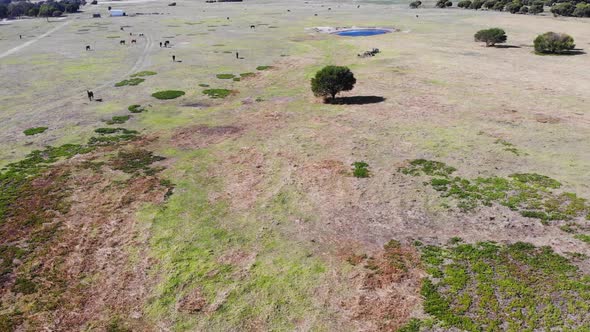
point(254, 220)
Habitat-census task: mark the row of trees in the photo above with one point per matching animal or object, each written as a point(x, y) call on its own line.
point(547, 43)
point(14, 9)
point(577, 8)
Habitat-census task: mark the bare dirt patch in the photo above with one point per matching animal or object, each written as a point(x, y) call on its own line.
point(200, 136)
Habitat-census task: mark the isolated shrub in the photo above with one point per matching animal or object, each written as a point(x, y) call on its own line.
point(441, 3)
point(464, 4)
point(554, 43)
point(144, 73)
point(132, 81)
point(563, 9)
point(332, 80)
point(491, 36)
point(360, 169)
point(415, 4)
point(476, 4)
point(217, 93)
point(449, 4)
point(34, 131)
point(225, 76)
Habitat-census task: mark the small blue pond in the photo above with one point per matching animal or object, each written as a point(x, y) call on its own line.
point(362, 32)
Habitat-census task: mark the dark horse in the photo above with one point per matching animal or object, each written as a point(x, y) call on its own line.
point(90, 95)
point(133, 41)
point(252, 27)
point(87, 47)
point(122, 42)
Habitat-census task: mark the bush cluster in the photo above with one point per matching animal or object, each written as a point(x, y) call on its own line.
point(554, 43)
point(577, 8)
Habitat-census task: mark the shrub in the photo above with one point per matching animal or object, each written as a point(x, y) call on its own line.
point(553, 43)
point(443, 4)
point(582, 10)
point(57, 13)
point(244, 75)
point(263, 67)
point(144, 73)
point(34, 131)
point(415, 4)
point(360, 169)
point(464, 4)
point(523, 10)
point(133, 81)
point(536, 7)
point(168, 94)
point(491, 36)
point(332, 80)
point(499, 6)
point(514, 7)
point(225, 76)
point(118, 119)
point(217, 93)
point(476, 4)
point(563, 9)
point(136, 109)
point(489, 4)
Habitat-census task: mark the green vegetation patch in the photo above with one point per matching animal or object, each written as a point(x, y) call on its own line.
point(136, 109)
point(532, 195)
point(217, 93)
point(110, 136)
point(264, 67)
point(168, 94)
point(144, 73)
point(583, 237)
point(491, 287)
point(237, 79)
point(133, 81)
point(118, 119)
point(225, 76)
point(245, 75)
point(508, 146)
point(203, 85)
point(360, 169)
point(34, 131)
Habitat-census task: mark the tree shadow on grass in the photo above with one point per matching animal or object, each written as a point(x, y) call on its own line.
point(576, 51)
point(356, 100)
point(506, 46)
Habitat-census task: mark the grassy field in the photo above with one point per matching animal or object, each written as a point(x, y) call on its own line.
point(250, 205)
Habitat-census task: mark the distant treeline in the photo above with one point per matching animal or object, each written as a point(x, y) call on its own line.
point(577, 8)
point(12, 9)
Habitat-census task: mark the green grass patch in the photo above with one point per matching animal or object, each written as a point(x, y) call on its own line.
point(135, 161)
point(360, 169)
point(34, 131)
point(118, 119)
point(136, 109)
point(532, 195)
point(264, 67)
point(203, 85)
point(246, 75)
point(133, 81)
point(517, 287)
point(225, 76)
point(236, 79)
point(583, 237)
point(217, 93)
point(144, 73)
point(168, 94)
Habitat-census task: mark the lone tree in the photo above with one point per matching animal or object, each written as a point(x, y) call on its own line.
point(491, 36)
point(415, 4)
point(331, 80)
point(554, 43)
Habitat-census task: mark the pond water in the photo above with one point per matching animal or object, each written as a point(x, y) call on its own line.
point(361, 32)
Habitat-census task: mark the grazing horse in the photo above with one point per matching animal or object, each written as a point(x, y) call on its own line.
point(90, 95)
point(133, 41)
point(122, 42)
point(166, 43)
point(87, 47)
point(252, 27)
point(141, 34)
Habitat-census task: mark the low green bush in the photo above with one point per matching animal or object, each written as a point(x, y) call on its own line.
point(225, 76)
point(360, 169)
point(34, 131)
point(263, 67)
point(144, 73)
point(217, 93)
point(554, 43)
point(133, 81)
point(118, 119)
point(136, 109)
point(168, 94)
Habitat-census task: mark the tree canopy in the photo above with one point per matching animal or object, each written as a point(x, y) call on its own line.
point(554, 43)
point(332, 80)
point(491, 36)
